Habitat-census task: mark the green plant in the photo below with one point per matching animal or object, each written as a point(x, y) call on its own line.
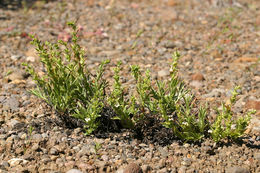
point(122, 107)
point(68, 86)
point(97, 147)
point(72, 90)
point(225, 126)
point(144, 90)
point(175, 105)
point(139, 33)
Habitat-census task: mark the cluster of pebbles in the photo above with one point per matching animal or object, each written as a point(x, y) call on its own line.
point(219, 41)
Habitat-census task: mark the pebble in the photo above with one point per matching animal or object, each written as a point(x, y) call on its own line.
point(16, 57)
point(54, 151)
point(163, 151)
point(186, 162)
point(11, 103)
point(16, 161)
point(176, 26)
point(4, 164)
point(163, 73)
point(197, 77)
point(132, 168)
point(257, 156)
point(237, 169)
point(36, 137)
point(104, 157)
point(253, 104)
point(146, 168)
point(196, 84)
point(73, 171)
point(16, 75)
point(13, 123)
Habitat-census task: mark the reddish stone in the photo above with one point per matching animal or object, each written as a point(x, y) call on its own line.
point(172, 2)
point(246, 59)
point(198, 77)
point(252, 104)
point(133, 168)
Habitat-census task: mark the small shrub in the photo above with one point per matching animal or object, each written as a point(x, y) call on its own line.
point(68, 86)
point(225, 126)
point(72, 90)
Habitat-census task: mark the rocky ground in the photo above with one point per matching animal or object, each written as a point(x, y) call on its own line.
point(220, 46)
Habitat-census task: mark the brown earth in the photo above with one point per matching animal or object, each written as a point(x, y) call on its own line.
point(220, 46)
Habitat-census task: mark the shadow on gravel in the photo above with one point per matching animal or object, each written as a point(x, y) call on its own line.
point(18, 4)
point(149, 131)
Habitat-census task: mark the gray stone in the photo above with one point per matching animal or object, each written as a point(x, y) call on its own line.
point(4, 164)
point(215, 93)
point(13, 123)
point(168, 44)
point(163, 151)
point(186, 161)
point(37, 137)
point(11, 103)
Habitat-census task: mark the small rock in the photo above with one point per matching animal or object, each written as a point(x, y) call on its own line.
point(186, 145)
point(237, 169)
point(85, 166)
point(54, 151)
point(4, 164)
point(104, 157)
point(252, 104)
point(16, 57)
point(45, 159)
point(257, 156)
point(163, 73)
point(214, 93)
point(146, 168)
point(100, 164)
point(74, 171)
point(163, 151)
point(171, 2)
point(35, 147)
point(16, 161)
point(13, 123)
point(161, 51)
point(246, 59)
point(182, 169)
point(30, 59)
point(37, 137)
point(186, 162)
point(11, 103)
point(16, 75)
point(161, 163)
point(197, 77)
point(133, 168)
point(196, 84)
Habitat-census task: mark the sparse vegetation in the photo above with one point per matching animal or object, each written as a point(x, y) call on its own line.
point(72, 90)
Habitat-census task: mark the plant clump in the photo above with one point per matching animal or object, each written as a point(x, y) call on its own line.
point(73, 91)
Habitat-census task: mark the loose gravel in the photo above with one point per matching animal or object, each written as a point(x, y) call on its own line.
point(220, 47)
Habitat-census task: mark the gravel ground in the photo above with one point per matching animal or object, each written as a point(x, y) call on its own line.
point(220, 46)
